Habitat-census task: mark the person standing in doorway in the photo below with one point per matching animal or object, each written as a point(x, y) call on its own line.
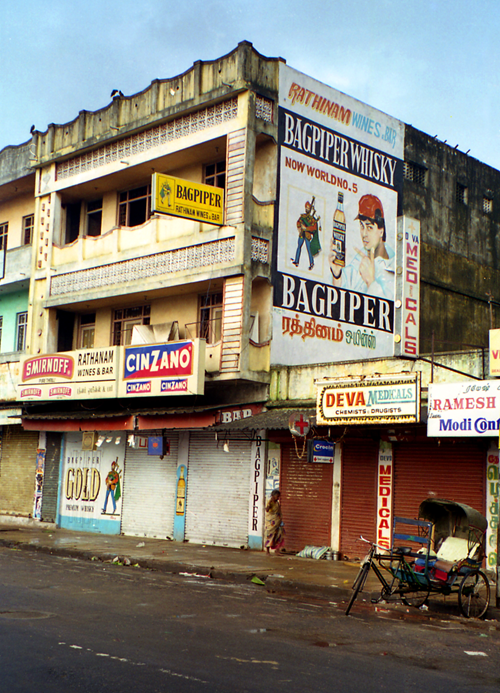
point(275, 531)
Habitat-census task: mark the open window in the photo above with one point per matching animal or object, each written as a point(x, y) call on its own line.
point(134, 207)
point(124, 321)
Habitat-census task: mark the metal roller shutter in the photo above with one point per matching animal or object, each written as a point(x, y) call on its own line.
point(439, 469)
point(51, 477)
point(218, 491)
point(17, 470)
point(358, 496)
point(306, 500)
point(149, 492)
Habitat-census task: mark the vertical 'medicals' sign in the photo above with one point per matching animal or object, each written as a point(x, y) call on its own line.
point(408, 287)
point(340, 167)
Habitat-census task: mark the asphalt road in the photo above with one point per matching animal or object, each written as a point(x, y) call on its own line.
point(72, 626)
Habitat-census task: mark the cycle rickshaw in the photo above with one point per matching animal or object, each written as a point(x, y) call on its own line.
point(442, 552)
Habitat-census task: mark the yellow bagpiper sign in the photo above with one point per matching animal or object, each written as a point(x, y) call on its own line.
point(183, 198)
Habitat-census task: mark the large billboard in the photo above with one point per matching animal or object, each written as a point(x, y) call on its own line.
point(340, 171)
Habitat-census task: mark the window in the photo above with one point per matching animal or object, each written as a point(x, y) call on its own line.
point(211, 317)
point(21, 331)
point(86, 331)
point(215, 174)
point(94, 217)
point(4, 230)
point(124, 321)
point(28, 224)
point(414, 172)
point(461, 194)
point(72, 222)
point(487, 205)
point(134, 206)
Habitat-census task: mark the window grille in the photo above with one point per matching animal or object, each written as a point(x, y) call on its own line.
point(414, 172)
point(154, 137)
point(461, 194)
point(264, 109)
point(487, 205)
point(136, 269)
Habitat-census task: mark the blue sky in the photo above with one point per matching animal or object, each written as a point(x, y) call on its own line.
point(431, 63)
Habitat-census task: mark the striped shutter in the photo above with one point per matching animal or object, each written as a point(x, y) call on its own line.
point(149, 490)
point(455, 470)
point(306, 500)
point(358, 496)
point(218, 491)
point(17, 470)
point(232, 324)
point(235, 177)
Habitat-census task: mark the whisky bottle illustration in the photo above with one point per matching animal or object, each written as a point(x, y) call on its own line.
point(339, 228)
point(181, 494)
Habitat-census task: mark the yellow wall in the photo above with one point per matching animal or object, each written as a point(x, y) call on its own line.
point(13, 212)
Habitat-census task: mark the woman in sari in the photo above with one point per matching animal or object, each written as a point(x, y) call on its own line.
point(275, 533)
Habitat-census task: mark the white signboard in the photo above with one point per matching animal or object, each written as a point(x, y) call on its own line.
point(82, 374)
point(340, 173)
point(373, 399)
point(468, 409)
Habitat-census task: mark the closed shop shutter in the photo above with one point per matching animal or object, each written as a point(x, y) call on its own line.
point(306, 500)
point(51, 477)
point(149, 492)
point(358, 496)
point(218, 491)
point(17, 470)
point(455, 470)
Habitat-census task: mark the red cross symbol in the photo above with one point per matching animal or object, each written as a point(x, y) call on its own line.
point(300, 424)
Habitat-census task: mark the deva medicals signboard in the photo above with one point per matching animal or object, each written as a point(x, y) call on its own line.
point(468, 409)
point(340, 173)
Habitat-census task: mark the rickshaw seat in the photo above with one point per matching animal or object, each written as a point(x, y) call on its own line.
point(454, 549)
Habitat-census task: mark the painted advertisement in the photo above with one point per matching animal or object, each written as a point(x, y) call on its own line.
point(82, 374)
point(408, 282)
point(340, 174)
point(466, 410)
point(492, 504)
point(92, 484)
point(187, 199)
point(174, 368)
point(372, 400)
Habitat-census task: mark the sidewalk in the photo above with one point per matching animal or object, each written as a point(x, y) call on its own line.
point(325, 579)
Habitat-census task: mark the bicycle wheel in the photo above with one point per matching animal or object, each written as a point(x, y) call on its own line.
point(474, 595)
point(358, 585)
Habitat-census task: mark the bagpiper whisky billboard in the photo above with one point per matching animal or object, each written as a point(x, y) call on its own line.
point(340, 169)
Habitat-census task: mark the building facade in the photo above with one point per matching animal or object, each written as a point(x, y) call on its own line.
point(187, 267)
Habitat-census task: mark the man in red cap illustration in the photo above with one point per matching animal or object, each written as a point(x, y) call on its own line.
point(372, 269)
